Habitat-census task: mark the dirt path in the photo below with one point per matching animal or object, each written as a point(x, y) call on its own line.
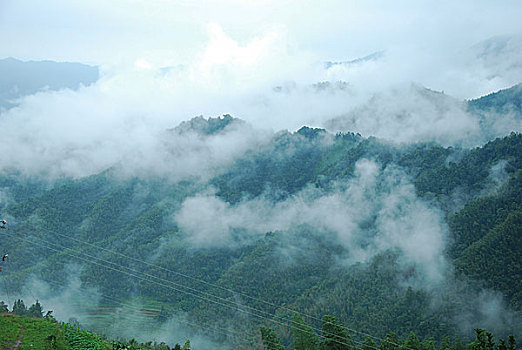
point(19, 340)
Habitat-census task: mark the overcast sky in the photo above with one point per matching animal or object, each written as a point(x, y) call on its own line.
point(168, 32)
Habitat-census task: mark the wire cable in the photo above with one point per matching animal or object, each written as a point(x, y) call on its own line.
point(6, 290)
point(219, 287)
point(171, 287)
point(134, 308)
point(215, 329)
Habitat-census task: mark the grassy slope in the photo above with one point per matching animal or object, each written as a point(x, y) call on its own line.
point(33, 333)
point(9, 331)
point(42, 333)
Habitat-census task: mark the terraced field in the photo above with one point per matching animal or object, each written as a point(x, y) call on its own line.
point(107, 316)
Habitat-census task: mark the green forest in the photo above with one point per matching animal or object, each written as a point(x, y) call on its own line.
point(33, 330)
point(107, 243)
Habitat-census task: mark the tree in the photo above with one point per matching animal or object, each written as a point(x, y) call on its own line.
point(512, 343)
point(368, 344)
point(490, 345)
point(390, 342)
point(35, 310)
point(412, 342)
point(186, 346)
point(19, 308)
point(335, 335)
point(3, 307)
point(429, 344)
point(270, 339)
point(480, 340)
point(304, 336)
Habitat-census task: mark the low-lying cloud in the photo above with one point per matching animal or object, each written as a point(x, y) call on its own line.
point(266, 81)
point(116, 318)
point(65, 300)
point(411, 114)
point(375, 211)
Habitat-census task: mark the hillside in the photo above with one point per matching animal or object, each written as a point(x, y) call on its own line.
point(23, 332)
point(386, 237)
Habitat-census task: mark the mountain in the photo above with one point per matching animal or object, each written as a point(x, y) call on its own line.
point(388, 238)
point(501, 55)
point(503, 101)
point(202, 126)
point(21, 78)
point(371, 57)
point(415, 113)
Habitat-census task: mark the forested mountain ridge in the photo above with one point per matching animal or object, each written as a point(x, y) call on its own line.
point(500, 101)
point(386, 237)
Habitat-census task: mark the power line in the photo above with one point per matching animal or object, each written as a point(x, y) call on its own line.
point(171, 287)
point(124, 272)
point(134, 308)
point(217, 286)
point(223, 300)
point(213, 329)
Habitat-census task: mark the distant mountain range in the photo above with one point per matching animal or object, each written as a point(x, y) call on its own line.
point(371, 57)
point(20, 78)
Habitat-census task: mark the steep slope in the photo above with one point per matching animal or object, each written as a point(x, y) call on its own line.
point(371, 280)
point(494, 259)
point(507, 100)
point(23, 332)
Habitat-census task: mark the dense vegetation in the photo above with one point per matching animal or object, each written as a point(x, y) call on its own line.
point(122, 234)
point(334, 336)
point(32, 331)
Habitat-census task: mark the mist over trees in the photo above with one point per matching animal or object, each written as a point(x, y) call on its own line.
point(226, 174)
point(383, 237)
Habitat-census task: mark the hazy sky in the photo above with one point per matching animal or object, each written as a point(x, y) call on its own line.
point(166, 32)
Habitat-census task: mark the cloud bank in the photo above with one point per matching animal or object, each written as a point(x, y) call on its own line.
point(375, 211)
point(267, 79)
